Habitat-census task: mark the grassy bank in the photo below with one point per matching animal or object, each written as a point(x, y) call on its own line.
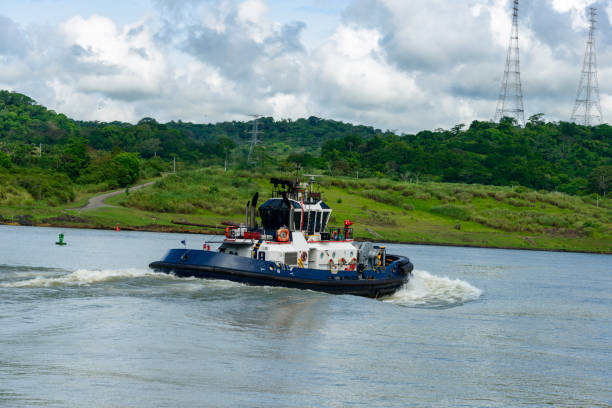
point(428, 213)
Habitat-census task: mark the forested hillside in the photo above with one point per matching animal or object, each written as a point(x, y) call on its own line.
point(552, 156)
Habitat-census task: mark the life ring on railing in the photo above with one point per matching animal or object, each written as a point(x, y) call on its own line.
point(282, 235)
point(334, 235)
point(228, 232)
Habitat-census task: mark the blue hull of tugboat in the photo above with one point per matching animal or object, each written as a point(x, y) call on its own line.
point(215, 265)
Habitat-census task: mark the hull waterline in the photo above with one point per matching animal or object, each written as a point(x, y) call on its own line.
point(211, 265)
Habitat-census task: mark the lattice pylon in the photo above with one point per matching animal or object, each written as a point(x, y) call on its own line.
point(587, 109)
point(510, 102)
point(254, 138)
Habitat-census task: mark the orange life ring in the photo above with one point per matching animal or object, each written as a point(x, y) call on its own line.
point(227, 232)
point(304, 256)
point(282, 235)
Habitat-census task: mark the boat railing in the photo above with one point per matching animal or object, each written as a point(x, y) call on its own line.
point(255, 235)
point(337, 234)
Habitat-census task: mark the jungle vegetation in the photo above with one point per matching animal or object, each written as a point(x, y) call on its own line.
point(46, 155)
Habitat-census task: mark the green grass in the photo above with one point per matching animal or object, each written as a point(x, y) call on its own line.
point(384, 210)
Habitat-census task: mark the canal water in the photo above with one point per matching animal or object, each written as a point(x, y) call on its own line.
point(88, 324)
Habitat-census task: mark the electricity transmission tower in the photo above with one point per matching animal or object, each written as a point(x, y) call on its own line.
point(510, 101)
point(587, 110)
point(254, 133)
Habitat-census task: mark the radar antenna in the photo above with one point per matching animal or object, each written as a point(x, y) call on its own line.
point(314, 188)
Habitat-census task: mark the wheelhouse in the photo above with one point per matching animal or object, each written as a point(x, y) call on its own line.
point(286, 213)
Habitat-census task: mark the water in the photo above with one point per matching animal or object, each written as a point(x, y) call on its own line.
point(89, 324)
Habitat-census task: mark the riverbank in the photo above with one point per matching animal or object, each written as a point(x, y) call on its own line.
point(187, 230)
point(383, 211)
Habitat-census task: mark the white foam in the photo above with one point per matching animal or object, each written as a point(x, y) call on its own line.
point(84, 277)
point(427, 290)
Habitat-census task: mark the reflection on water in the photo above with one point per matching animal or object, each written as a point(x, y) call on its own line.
point(280, 313)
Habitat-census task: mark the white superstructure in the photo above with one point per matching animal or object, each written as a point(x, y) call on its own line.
point(295, 233)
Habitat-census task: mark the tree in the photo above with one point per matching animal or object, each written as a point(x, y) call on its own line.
point(146, 121)
point(535, 120)
point(131, 163)
point(600, 180)
point(457, 129)
point(226, 144)
point(74, 157)
point(5, 160)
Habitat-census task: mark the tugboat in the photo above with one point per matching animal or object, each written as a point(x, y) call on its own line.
point(294, 248)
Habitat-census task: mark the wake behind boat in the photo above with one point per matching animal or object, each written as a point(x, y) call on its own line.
point(294, 248)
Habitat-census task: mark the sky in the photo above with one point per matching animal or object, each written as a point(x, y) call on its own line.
point(395, 65)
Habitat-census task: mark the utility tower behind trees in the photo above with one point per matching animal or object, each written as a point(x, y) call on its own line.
point(510, 101)
point(254, 140)
point(587, 110)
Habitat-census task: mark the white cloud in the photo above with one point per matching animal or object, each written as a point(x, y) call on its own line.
point(92, 107)
point(354, 72)
point(289, 106)
point(577, 8)
point(500, 18)
point(355, 43)
point(137, 65)
point(392, 64)
point(253, 15)
point(12, 69)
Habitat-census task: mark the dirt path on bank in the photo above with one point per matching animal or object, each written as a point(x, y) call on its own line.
point(98, 201)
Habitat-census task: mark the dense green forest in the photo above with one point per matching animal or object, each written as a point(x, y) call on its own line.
point(551, 156)
point(38, 145)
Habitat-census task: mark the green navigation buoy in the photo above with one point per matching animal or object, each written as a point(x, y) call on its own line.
point(61, 240)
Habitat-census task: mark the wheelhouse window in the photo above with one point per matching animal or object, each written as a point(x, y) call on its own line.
point(325, 220)
point(312, 217)
point(297, 219)
point(312, 221)
point(318, 222)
